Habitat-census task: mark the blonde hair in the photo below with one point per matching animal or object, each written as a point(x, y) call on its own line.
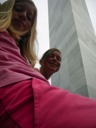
point(5, 23)
point(6, 14)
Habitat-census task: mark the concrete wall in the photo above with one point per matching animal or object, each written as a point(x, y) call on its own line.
point(71, 31)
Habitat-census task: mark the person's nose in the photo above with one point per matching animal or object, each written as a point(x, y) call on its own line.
point(55, 58)
point(23, 15)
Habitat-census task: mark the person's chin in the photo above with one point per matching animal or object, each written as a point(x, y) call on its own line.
point(52, 68)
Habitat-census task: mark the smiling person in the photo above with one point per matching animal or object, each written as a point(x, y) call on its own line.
point(26, 98)
point(17, 57)
point(22, 26)
point(50, 62)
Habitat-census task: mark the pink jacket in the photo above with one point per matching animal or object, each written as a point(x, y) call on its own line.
point(13, 67)
point(32, 103)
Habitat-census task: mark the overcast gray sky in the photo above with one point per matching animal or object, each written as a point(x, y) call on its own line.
point(91, 4)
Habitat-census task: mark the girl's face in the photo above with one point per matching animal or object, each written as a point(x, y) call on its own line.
point(23, 16)
point(52, 62)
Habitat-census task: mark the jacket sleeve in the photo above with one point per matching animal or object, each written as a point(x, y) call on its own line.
point(57, 108)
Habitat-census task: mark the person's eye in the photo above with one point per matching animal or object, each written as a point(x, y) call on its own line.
point(30, 16)
point(18, 8)
point(58, 58)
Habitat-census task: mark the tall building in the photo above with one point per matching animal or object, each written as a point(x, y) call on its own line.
point(71, 30)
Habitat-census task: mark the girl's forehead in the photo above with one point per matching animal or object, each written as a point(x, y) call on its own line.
point(56, 52)
point(21, 1)
point(25, 5)
point(53, 53)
